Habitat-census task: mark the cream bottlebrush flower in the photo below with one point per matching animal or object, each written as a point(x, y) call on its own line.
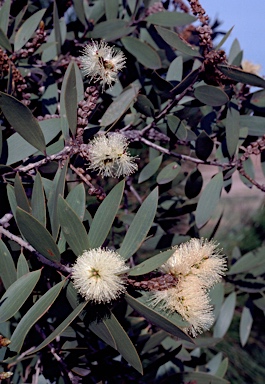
point(102, 62)
point(199, 257)
point(98, 275)
point(109, 156)
point(250, 67)
point(190, 300)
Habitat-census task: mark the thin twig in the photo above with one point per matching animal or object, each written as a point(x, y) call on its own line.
point(254, 182)
point(80, 174)
point(40, 257)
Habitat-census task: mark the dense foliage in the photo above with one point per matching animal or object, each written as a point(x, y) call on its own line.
point(109, 108)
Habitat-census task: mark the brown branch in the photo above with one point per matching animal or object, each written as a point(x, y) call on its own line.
point(254, 182)
point(40, 257)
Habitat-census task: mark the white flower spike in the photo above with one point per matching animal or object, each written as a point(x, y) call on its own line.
point(98, 275)
point(109, 156)
point(102, 62)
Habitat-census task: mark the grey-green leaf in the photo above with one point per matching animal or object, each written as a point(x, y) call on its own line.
point(27, 28)
point(175, 41)
point(110, 30)
point(232, 128)
point(241, 76)
point(170, 19)
point(140, 226)
point(61, 327)
point(150, 169)
point(37, 235)
point(208, 200)
point(38, 201)
point(168, 173)
point(21, 198)
point(248, 262)
point(22, 266)
point(76, 198)
point(73, 229)
point(246, 321)
point(142, 51)
point(225, 316)
point(119, 106)
point(177, 127)
point(17, 294)
point(151, 264)
point(156, 318)
point(70, 96)
point(210, 95)
point(8, 271)
point(22, 120)
point(30, 318)
point(105, 216)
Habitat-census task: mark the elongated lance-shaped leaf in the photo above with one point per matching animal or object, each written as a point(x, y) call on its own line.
point(38, 201)
point(8, 271)
point(4, 16)
point(232, 127)
point(208, 200)
point(27, 28)
point(21, 198)
point(73, 230)
point(142, 51)
point(245, 325)
point(33, 315)
point(37, 235)
point(70, 97)
point(150, 169)
point(57, 31)
point(156, 318)
point(175, 41)
point(17, 294)
point(241, 76)
point(22, 120)
point(61, 327)
point(22, 266)
point(225, 316)
point(105, 216)
point(76, 198)
point(151, 264)
point(11, 198)
point(140, 226)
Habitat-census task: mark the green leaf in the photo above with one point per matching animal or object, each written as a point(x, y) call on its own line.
point(70, 96)
point(177, 127)
point(111, 30)
point(21, 198)
point(111, 9)
point(196, 377)
point(168, 173)
point(175, 69)
point(105, 216)
point(225, 316)
point(146, 55)
point(151, 264)
point(76, 198)
point(258, 99)
point(17, 294)
point(80, 12)
point(154, 341)
point(73, 229)
point(144, 106)
point(175, 41)
point(150, 169)
point(248, 262)
point(235, 53)
point(27, 28)
point(232, 128)
point(4, 42)
point(170, 19)
point(22, 120)
point(37, 235)
point(33, 315)
point(246, 321)
point(193, 184)
point(22, 266)
point(12, 198)
point(140, 226)
point(57, 189)
point(156, 318)
point(210, 95)
point(57, 32)
point(123, 343)
point(61, 327)
point(38, 201)
point(8, 271)
point(203, 146)
point(186, 82)
point(255, 124)
point(19, 149)
point(241, 76)
point(224, 39)
point(208, 200)
point(222, 369)
point(119, 106)
point(4, 16)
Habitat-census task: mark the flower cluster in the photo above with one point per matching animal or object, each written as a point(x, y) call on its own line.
point(98, 275)
point(109, 156)
point(102, 62)
point(198, 266)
